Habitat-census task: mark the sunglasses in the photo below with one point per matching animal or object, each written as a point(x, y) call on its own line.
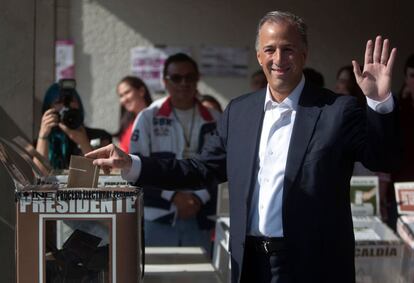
point(177, 79)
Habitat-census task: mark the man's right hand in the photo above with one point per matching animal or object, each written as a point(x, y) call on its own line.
point(109, 157)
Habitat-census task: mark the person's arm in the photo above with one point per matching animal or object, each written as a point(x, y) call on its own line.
point(78, 136)
point(205, 170)
point(49, 120)
point(209, 168)
point(140, 143)
point(187, 205)
point(140, 136)
point(374, 134)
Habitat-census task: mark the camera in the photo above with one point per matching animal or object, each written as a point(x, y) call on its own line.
point(71, 117)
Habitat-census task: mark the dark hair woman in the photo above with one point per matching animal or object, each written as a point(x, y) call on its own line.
point(134, 96)
point(59, 137)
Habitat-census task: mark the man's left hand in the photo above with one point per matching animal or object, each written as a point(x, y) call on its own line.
point(375, 79)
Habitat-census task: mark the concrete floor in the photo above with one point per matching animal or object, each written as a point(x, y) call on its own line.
point(178, 264)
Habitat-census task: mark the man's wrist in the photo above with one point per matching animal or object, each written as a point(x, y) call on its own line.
point(132, 173)
point(383, 107)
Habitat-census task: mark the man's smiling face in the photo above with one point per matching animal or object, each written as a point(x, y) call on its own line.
point(282, 55)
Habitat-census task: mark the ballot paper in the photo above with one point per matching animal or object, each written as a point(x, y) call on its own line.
point(82, 173)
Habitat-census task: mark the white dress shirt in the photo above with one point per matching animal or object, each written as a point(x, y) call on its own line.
point(265, 215)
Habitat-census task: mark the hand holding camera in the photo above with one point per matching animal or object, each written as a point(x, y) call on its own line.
point(65, 111)
point(49, 121)
point(67, 105)
point(78, 136)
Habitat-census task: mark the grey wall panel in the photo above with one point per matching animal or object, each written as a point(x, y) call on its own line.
point(44, 67)
point(7, 227)
point(17, 61)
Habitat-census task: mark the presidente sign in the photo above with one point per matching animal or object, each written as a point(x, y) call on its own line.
point(72, 201)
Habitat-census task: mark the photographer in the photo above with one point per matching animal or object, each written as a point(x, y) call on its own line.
point(62, 132)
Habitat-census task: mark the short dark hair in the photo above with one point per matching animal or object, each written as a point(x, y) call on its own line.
point(286, 17)
point(409, 63)
point(179, 58)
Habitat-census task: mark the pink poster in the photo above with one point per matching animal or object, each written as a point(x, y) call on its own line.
point(64, 60)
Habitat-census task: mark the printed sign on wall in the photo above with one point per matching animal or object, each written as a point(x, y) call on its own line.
point(224, 61)
point(64, 61)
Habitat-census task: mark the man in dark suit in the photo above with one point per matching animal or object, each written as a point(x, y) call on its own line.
point(287, 152)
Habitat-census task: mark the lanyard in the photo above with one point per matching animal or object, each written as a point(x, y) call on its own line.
point(187, 139)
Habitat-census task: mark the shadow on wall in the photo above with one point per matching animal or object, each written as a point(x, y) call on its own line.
point(9, 128)
point(128, 23)
point(38, 102)
point(83, 83)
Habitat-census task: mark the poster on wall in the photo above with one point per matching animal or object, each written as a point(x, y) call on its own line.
point(224, 61)
point(148, 62)
point(65, 60)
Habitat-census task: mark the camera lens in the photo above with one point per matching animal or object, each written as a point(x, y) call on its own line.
point(71, 117)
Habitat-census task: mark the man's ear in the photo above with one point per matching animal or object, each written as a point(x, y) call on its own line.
point(259, 59)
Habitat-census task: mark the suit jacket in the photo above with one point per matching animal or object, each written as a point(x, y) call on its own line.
point(330, 133)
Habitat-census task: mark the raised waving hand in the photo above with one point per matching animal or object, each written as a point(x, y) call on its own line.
point(375, 79)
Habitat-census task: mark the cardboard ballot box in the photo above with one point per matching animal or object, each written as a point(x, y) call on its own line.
point(378, 251)
point(65, 234)
point(405, 227)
